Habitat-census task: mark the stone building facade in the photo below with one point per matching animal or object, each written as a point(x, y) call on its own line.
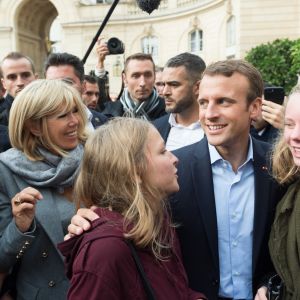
point(214, 29)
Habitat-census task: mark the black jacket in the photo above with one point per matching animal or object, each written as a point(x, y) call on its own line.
point(4, 140)
point(163, 126)
point(5, 109)
point(269, 135)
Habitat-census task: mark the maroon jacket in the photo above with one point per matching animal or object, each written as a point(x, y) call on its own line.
point(100, 266)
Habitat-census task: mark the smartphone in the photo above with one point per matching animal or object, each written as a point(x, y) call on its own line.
point(274, 94)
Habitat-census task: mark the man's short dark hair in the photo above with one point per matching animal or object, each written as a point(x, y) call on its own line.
point(66, 59)
point(194, 64)
point(228, 67)
point(16, 56)
point(138, 56)
point(91, 79)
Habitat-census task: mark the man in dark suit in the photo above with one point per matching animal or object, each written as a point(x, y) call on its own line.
point(69, 68)
point(181, 77)
point(139, 98)
point(226, 202)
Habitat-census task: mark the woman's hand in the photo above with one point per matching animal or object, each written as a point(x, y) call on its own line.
point(23, 207)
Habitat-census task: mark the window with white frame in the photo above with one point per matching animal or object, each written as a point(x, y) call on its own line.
point(196, 40)
point(230, 30)
point(150, 46)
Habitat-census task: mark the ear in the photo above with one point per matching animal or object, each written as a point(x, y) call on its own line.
point(196, 89)
point(3, 83)
point(124, 78)
point(34, 128)
point(255, 108)
point(83, 87)
point(36, 75)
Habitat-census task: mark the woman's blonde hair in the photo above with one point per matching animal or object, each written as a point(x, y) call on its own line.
point(112, 175)
point(284, 168)
point(37, 101)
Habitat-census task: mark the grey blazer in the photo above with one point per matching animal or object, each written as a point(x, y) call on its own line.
point(41, 269)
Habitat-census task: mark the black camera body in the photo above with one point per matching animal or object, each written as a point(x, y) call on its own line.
point(115, 46)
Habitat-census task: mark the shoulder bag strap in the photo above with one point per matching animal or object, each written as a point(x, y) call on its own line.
point(147, 286)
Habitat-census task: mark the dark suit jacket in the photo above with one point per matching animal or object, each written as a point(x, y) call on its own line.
point(163, 126)
point(5, 109)
point(4, 139)
point(98, 118)
point(193, 208)
point(269, 135)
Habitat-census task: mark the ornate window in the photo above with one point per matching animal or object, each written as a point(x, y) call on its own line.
point(150, 46)
point(196, 40)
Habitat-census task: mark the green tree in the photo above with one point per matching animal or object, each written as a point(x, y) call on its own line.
point(278, 62)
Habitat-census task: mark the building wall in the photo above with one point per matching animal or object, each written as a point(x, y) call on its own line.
point(24, 25)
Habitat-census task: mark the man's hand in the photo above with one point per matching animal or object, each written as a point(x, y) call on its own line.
point(273, 113)
point(261, 293)
point(81, 221)
point(102, 51)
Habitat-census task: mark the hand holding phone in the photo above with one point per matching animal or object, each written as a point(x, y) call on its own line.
point(274, 94)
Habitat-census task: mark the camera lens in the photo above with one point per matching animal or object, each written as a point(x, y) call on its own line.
point(115, 46)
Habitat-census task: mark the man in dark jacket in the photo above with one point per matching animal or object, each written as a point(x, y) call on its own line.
point(181, 77)
point(227, 198)
point(139, 98)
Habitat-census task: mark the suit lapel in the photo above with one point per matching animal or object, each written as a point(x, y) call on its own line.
point(49, 218)
point(166, 131)
point(204, 190)
point(262, 183)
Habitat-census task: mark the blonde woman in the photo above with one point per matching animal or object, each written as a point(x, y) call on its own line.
point(127, 173)
point(47, 131)
point(284, 243)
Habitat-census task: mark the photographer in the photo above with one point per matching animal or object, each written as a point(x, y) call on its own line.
point(139, 97)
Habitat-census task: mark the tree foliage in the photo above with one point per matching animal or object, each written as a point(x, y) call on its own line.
point(278, 62)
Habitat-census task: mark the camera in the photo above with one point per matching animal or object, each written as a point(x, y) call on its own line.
point(115, 46)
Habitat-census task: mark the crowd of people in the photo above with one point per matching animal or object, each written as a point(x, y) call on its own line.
point(184, 187)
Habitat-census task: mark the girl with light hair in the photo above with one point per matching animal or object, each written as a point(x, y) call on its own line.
point(284, 243)
point(127, 174)
point(47, 131)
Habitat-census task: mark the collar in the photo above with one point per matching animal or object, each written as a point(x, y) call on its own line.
point(215, 155)
point(172, 121)
point(88, 114)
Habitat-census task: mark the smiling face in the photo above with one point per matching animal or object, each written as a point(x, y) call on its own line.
point(225, 114)
point(161, 172)
point(62, 129)
point(292, 127)
point(17, 73)
point(139, 79)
